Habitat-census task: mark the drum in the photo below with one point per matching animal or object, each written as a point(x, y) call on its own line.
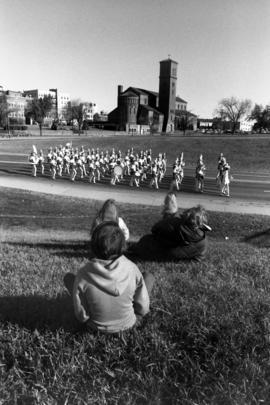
point(118, 170)
point(32, 160)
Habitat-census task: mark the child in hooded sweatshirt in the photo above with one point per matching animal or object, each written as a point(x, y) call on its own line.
point(109, 212)
point(109, 293)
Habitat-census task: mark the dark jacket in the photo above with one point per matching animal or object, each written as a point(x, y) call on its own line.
point(173, 232)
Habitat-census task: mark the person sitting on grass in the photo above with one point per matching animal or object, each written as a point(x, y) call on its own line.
point(110, 294)
point(176, 238)
point(109, 212)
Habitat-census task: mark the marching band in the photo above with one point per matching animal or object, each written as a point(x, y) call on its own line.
point(141, 167)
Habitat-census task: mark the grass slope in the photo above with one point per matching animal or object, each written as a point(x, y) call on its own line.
point(205, 341)
point(243, 153)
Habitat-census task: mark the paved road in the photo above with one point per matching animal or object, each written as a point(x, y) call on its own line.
point(246, 186)
point(250, 192)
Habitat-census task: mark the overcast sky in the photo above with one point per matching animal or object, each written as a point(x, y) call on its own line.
point(87, 47)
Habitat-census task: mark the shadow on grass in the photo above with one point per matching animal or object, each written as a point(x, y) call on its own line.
point(259, 239)
point(69, 249)
point(39, 312)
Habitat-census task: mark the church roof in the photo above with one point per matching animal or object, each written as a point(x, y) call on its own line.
point(154, 93)
point(180, 113)
point(148, 108)
point(129, 92)
point(179, 99)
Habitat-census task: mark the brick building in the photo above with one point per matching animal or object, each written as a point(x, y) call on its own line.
point(143, 111)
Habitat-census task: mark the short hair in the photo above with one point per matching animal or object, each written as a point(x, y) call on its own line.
point(195, 217)
point(108, 241)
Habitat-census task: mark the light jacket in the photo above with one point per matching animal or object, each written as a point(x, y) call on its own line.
point(108, 294)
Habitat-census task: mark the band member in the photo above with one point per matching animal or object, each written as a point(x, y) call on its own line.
point(154, 175)
point(200, 174)
point(181, 168)
point(133, 169)
point(176, 181)
point(83, 160)
point(115, 175)
point(53, 166)
point(219, 176)
point(49, 155)
point(138, 173)
point(59, 164)
point(66, 161)
point(225, 190)
point(33, 159)
point(126, 171)
point(92, 171)
point(73, 167)
point(97, 166)
point(79, 164)
point(161, 171)
point(41, 161)
point(164, 163)
point(144, 169)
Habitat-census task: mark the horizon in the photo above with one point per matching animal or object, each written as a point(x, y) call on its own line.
point(88, 49)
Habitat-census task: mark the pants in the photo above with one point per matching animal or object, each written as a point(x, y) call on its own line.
point(150, 248)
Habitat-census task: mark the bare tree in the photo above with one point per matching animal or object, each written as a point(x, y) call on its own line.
point(76, 111)
point(38, 109)
point(233, 110)
point(185, 121)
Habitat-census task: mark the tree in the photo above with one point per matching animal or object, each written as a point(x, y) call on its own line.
point(96, 117)
point(38, 109)
point(185, 121)
point(232, 109)
point(262, 117)
point(76, 112)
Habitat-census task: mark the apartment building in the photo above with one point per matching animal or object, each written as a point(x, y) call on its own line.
point(60, 101)
point(16, 103)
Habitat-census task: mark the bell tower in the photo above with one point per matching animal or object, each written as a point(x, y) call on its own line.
point(167, 92)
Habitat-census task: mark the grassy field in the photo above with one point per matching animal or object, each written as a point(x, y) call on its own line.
point(205, 341)
point(243, 153)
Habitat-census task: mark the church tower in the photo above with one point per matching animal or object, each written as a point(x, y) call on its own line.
point(167, 92)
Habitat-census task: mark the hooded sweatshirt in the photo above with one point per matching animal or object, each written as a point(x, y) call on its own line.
point(109, 293)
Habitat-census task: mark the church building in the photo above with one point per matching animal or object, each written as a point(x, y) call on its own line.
point(141, 111)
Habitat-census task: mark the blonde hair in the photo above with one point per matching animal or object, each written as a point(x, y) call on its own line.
point(170, 204)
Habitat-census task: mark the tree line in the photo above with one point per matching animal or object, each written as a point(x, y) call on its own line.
point(228, 109)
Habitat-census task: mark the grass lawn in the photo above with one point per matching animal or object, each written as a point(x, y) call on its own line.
point(243, 153)
point(205, 341)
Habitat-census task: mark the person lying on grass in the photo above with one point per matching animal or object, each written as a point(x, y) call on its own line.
point(109, 212)
point(109, 293)
point(176, 238)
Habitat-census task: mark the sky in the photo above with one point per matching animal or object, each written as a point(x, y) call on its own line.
point(88, 47)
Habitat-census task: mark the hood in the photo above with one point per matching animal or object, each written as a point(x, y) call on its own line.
point(110, 276)
point(189, 235)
